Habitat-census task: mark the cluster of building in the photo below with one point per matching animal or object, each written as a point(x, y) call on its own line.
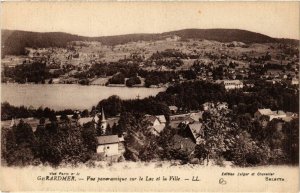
point(111, 146)
point(266, 115)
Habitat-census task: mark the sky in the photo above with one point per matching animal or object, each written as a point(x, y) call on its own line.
point(275, 19)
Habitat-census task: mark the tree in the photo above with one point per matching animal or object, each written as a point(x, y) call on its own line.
point(85, 113)
point(75, 116)
point(200, 151)
point(219, 131)
point(64, 117)
point(53, 118)
point(22, 155)
point(20, 143)
point(132, 81)
point(112, 105)
point(42, 121)
point(164, 142)
point(118, 78)
point(89, 136)
point(291, 141)
point(24, 134)
point(8, 142)
point(248, 152)
point(152, 80)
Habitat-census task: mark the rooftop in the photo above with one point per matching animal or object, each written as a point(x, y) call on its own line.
point(185, 144)
point(107, 139)
point(265, 111)
point(161, 118)
point(196, 129)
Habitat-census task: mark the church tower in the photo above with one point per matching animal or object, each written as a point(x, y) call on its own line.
point(103, 123)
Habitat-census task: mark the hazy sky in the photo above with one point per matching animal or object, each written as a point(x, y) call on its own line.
point(275, 19)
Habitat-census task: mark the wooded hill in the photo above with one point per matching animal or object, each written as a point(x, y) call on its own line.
point(14, 41)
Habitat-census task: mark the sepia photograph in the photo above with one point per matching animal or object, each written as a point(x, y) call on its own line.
point(150, 96)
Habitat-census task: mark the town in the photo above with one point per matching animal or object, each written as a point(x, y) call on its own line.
point(230, 102)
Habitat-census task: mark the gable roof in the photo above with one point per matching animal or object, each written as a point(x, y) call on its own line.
point(85, 120)
point(96, 118)
point(185, 144)
point(150, 118)
point(265, 111)
point(232, 82)
point(236, 82)
point(173, 108)
point(158, 128)
point(107, 139)
point(161, 118)
point(196, 129)
point(279, 112)
point(196, 116)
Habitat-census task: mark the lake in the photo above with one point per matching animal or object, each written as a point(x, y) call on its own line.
point(64, 96)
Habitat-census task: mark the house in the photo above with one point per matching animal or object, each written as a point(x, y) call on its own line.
point(183, 143)
point(231, 84)
point(84, 120)
point(157, 129)
point(290, 116)
point(195, 132)
point(274, 73)
point(271, 114)
point(162, 119)
point(294, 81)
point(108, 145)
point(157, 123)
point(156, 119)
point(173, 109)
point(153, 120)
point(175, 120)
point(55, 81)
point(196, 116)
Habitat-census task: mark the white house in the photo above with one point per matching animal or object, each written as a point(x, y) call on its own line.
point(108, 145)
point(157, 123)
point(173, 109)
point(271, 114)
point(294, 81)
point(153, 120)
point(231, 84)
point(156, 119)
point(84, 120)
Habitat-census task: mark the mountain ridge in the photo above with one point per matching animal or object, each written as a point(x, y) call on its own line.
point(14, 41)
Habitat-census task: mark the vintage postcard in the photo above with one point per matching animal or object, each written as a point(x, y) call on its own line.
point(149, 96)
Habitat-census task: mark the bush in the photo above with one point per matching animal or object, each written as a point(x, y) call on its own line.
point(133, 81)
point(117, 79)
point(219, 161)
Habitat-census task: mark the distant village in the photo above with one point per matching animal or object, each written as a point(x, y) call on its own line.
point(177, 60)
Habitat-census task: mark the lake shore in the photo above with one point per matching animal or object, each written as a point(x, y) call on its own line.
point(68, 96)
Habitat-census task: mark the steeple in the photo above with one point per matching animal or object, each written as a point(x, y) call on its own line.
point(103, 123)
point(13, 122)
point(103, 116)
